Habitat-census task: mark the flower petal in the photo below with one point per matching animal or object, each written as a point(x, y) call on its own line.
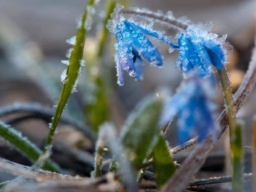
point(144, 46)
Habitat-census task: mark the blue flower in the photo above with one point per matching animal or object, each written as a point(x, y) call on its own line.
point(200, 49)
point(132, 46)
point(193, 107)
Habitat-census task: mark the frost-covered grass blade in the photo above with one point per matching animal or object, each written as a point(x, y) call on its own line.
point(70, 77)
point(23, 145)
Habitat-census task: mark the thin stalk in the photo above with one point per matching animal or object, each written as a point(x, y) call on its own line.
point(169, 21)
point(254, 155)
point(237, 158)
point(110, 5)
point(231, 114)
point(67, 88)
point(99, 157)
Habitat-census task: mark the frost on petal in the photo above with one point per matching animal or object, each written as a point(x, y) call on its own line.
point(157, 34)
point(132, 46)
point(187, 58)
point(199, 50)
point(144, 47)
point(193, 108)
point(119, 70)
point(125, 50)
point(216, 53)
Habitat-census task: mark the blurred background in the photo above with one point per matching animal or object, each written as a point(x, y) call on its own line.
point(32, 44)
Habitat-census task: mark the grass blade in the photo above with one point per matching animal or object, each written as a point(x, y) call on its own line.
point(24, 146)
point(73, 70)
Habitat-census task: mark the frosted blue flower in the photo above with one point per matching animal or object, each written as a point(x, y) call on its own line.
point(193, 107)
point(132, 46)
point(200, 49)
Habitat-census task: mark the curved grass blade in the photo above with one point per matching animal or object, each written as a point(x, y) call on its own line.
point(140, 133)
point(72, 72)
point(162, 161)
point(24, 146)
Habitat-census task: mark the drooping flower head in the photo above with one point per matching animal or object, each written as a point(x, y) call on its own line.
point(199, 50)
point(132, 46)
point(192, 104)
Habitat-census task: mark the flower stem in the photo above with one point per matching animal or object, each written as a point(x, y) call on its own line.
point(230, 109)
point(237, 158)
point(110, 5)
point(170, 22)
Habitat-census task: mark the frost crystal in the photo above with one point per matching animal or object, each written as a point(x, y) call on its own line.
point(65, 62)
point(200, 49)
point(63, 76)
point(71, 41)
point(82, 62)
point(194, 109)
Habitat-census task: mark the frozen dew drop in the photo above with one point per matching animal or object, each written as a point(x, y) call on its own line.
point(223, 38)
point(75, 86)
point(63, 76)
point(65, 62)
point(170, 50)
point(71, 41)
point(169, 14)
point(68, 54)
point(82, 62)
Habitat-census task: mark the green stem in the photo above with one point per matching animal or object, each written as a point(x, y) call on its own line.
point(110, 5)
point(237, 158)
point(23, 145)
point(228, 96)
point(230, 109)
